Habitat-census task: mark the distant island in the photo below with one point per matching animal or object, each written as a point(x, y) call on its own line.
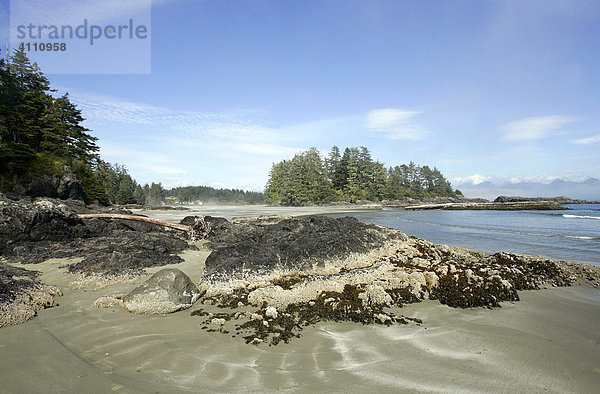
point(559, 200)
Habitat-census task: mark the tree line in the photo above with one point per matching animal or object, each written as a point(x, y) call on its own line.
point(351, 176)
point(42, 135)
point(210, 194)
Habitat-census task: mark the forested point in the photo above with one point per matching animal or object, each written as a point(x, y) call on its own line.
point(45, 151)
point(191, 194)
point(352, 176)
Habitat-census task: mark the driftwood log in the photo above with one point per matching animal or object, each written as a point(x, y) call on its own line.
point(198, 230)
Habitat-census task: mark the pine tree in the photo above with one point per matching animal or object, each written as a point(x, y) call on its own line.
point(40, 135)
point(126, 190)
point(65, 135)
point(156, 194)
point(355, 176)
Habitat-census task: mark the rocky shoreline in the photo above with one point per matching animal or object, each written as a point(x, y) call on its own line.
point(272, 276)
point(384, 269)
point(22, 295)
point(492, 206)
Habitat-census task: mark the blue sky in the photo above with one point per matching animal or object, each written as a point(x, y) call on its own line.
point(483, 90)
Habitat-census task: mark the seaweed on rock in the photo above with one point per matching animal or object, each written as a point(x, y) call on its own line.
point(366, 269)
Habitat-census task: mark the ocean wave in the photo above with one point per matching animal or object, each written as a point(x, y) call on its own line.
point(580, 217)
point(586, 238)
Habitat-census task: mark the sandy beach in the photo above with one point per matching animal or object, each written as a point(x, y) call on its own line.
point(548, 341)
point(249, 211)
point(299, 196)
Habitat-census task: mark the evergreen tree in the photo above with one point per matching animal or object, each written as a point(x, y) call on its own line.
point(40, 135)
point(65, 135)
point(125, 193)
point(353, 176)
point(138, 195)
point(156, 194)
point(332, 165)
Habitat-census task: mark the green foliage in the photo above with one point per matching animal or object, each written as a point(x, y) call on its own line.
point(43, 136)
point(302, 180)
point(39, 134)
point(352, 176)
point(191, 194)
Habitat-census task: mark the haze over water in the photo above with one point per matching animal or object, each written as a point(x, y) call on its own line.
point(560, 235)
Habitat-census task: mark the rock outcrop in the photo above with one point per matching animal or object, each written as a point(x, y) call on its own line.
point(169, 290)
point(493, 206)
point(32, 232)
point(559, 199)
point(22, 295)
point(63, 187)
point(318, 268)
point(268, 244)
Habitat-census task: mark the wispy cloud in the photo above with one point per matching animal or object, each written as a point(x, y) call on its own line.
point(75, 11)
point(111, 109)
point(188, 124)
point(589, 140)
point(535, 127)
point(263, 149)
point(395, 123)
point(170, 144)
point(141, 160)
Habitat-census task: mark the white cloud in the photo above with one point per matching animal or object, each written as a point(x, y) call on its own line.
point(475, 179)
point(534, 128)
point(395, 123)
point(589, 140)
point(388, 117)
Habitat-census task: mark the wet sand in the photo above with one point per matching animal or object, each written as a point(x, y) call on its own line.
point(549, 341)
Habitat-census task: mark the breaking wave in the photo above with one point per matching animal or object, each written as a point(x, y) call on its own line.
point(581, 217)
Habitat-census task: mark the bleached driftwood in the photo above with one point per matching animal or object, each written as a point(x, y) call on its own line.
point(198, 230)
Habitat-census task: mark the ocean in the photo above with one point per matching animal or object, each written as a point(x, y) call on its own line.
point(572, 235)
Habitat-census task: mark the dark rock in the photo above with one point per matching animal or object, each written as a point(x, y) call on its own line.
point(13, 280)
point(169, 290)
point(43, 186)
point(188, 220)
point(69, 187)
point(492, 206)
point(38, 221)
point(294, 243)
point(22, 295)
point(215, 222)
point(63, 187)
point(34, 232)
point(558, 200)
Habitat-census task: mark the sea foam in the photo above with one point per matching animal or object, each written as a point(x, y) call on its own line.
point(581, 217)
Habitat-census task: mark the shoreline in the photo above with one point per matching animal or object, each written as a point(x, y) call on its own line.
point(492, 206)
point(246, 211)
point(87, 348)
point(546, 341)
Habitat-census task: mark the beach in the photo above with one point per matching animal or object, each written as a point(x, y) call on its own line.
point(252, 211)
point(548, 341)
